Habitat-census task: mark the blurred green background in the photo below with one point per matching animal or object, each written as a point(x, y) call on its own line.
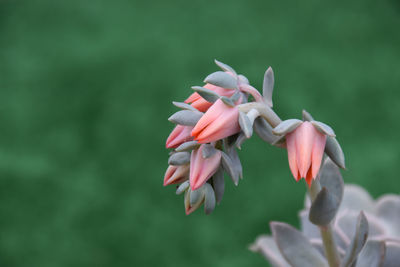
point(86, 90)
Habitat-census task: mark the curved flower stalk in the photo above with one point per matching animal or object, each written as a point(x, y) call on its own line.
point(220, 116)
point(215, 120)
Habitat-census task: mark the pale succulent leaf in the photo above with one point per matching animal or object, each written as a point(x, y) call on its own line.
point(286, 127)
point(182, 187)
point(268, 86)
point(356, 198)
point(219, 184)
point(335, 152)
point(323, 128)
point(388, 210)
point(196, 196)
point(357, 242)
point(324, 208)
point(245, 124)
point(307, 116)
point(331, 178)
point(187, 146)
point(179, 158)
point(243, 79)
point(207, 94)
point(227, 101)
point(186, 117)
point(372, 255)
point(264, 131)
point(392, 255)
point(229, 167)
point(222, 79)
point(208, 151)
point(295, 247)
point(183, 105)
point(209, 199)
point(265, 245)
point(225, 67)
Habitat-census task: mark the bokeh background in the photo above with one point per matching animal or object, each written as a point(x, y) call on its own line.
point(86, 90)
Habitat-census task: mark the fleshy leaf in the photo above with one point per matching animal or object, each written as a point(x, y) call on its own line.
point(229, 167)
point(324, 208)
point(208, 151)
point(243, 79)
point(331, 178)
point(335, 152)
point(179, 158)
point(266, 246)
point(186, 117)
point(388, 210)
point(184, 106)
point(187, 146)
point(264, 131)
point(323, 128)
point(182, 187)
point(225, 67)
point(372, 255)
point(209, 198)
point(227, 101)
point(222, 79)
point(286, 126)
point(358, 241)
point(245, 124)
point(219, 184)
point(207, 94)
point(295, 247)
point(196, 196)
point(356, 198)
point(392, 256)
point(268, 86)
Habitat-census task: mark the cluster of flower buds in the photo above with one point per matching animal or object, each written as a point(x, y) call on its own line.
point(217, 118)
point(365, 233)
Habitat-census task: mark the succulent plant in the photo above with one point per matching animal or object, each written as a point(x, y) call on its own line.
point(366, 232)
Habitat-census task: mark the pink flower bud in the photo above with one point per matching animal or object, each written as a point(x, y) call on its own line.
point(176, 174)
point(218, 122)
point(179, 135)
point(201, 169)
point(305, 146)
point(201, 104)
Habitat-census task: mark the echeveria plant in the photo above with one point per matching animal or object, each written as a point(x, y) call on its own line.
point(341, 225)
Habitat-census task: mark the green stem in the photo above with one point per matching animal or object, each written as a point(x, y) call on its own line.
point(326, 231)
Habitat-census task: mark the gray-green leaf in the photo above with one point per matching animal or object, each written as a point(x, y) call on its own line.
point(268, 86)
point(209, 199)
point(324, 208)
point(182, 187)
point(219, 184)
point(222, 79)
point(225, 67)
point(245, 124)
point(186, 117)
point(207, 94)
point(179, 158)
point(323, 128)
point(295, 247)
point(358, 241)
point(187, 146)
point(286, 126)
point(372, 255)
point(183, 105)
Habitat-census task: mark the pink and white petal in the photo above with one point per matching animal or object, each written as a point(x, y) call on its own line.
point(318, 152)
point(304, 144)
point(291, 148)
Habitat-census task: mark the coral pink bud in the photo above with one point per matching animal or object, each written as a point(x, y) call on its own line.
point(201, 169)
point(201, 104)
point(218, 122)
point(176, 174)
point(179, 135)
point(305, 146)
